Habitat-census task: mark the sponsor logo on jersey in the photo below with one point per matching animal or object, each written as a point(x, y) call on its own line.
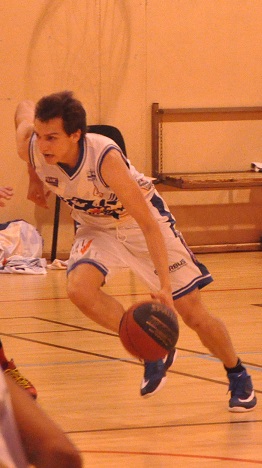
point(52, 181)
point(175, 266)
point(91, 175)
point(145, 184)
point(101, 207)
point(86, 246)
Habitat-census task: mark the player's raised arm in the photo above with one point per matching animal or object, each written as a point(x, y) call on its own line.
point(24, 124)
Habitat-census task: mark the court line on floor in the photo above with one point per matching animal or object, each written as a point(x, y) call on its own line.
point(125, 295)
point(92, 330)
point(166, 426)
point(175, 455)
point(111, 358)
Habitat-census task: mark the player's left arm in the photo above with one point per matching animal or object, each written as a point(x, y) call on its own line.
point(117, 175)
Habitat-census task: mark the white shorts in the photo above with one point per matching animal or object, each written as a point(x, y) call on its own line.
point(124, 245)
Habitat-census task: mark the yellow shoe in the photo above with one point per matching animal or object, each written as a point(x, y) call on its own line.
point(20, 379)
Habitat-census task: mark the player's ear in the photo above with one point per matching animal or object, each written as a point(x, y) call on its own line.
point(76, 136)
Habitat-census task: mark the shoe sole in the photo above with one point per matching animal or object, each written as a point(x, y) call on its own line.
point(161, 385)
point(240, 409)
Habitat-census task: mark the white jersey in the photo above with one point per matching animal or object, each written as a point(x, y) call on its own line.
point(108, 238)
point(83, 188)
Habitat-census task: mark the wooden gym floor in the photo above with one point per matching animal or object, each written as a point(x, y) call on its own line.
point(90, 386)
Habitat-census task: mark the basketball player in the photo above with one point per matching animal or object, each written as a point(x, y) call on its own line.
point(28, 435)
point(7, 366)
point(123, 221)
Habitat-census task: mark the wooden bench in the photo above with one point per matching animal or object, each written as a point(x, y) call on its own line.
point(166, 182)
point(200, 181)
point(210, 181)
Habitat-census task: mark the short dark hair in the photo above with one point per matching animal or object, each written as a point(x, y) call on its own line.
point(64, 105)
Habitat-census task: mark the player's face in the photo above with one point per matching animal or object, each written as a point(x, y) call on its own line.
point(54, 143)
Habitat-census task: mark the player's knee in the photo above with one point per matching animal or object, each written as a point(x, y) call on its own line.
point(83, 285)
point(80, 292)
point(191, 310)
point(193, 321)
point(72, 291)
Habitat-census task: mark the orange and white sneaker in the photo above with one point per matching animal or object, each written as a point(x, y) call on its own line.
point(22, 381)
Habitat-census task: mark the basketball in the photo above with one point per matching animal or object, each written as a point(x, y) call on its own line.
point(149, 330)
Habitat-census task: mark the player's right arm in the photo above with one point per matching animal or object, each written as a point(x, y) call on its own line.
point(24, 124)
point(44, 443)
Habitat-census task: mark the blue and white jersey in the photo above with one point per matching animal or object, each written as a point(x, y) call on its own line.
point(83, 187)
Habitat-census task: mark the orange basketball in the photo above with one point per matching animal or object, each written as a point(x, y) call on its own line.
point(149, 330)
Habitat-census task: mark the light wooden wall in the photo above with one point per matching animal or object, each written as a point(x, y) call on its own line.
point(119, 56)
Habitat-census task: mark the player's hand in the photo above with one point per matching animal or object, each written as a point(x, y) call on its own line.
point(6, 193)
point(165, 297)
point(37, 194)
